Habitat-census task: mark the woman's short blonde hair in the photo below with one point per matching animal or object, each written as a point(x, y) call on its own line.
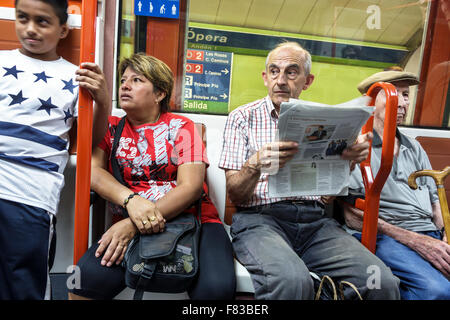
point(156, 71)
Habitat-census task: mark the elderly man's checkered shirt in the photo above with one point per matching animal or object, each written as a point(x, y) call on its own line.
point(247, 130)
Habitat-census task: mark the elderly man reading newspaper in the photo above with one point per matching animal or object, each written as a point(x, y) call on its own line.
point(280, 239)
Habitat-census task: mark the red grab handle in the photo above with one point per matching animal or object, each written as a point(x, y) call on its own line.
point(373, 186)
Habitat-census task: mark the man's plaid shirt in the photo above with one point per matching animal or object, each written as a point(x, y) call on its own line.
point(248, 129)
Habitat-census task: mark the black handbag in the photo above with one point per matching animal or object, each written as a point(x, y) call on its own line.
point(163, 262)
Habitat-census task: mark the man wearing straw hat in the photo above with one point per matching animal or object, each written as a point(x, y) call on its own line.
point(410, 236)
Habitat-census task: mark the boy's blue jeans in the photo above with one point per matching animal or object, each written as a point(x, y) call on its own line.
point(419, 280)
point(24, 251)
point(280, 243)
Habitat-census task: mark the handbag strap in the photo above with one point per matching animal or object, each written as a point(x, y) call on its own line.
point(144, 279)
point(351, 285)
point(115, 145)
point(113, 159)
point(322, 282)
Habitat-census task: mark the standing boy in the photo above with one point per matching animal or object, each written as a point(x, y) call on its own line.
point(38, 104)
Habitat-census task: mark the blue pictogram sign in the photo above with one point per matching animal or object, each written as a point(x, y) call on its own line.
point(157, 8)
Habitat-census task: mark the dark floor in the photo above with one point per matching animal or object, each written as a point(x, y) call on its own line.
point(59, 286)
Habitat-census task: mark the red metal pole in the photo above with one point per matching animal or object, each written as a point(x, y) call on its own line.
point(84, 135)
point(373, 186)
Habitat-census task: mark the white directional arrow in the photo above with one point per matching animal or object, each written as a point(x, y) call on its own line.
point(224, 96)
point(225, 71)
point(140, 6)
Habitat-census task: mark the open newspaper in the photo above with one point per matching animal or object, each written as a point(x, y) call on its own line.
point(322, 132)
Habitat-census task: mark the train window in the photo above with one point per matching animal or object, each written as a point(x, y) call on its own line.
point(127, 29)
point(432, 108)
point(217, 48)
point(348, 40)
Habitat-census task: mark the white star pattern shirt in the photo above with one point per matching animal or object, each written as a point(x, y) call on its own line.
point(38, 105)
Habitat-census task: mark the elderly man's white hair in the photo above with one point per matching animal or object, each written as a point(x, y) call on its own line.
point(297, 46)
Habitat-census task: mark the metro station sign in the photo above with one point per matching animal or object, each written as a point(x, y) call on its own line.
point(157, 8)
point(207, 81)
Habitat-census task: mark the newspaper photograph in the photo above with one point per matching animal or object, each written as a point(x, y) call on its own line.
point(322, 132)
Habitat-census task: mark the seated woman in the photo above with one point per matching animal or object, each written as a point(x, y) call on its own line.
point(163, 160)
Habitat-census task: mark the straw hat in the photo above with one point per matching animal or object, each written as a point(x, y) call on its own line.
point(388, 76)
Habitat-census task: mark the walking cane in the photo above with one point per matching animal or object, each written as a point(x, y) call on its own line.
point(84, 136)
point(439, 177)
